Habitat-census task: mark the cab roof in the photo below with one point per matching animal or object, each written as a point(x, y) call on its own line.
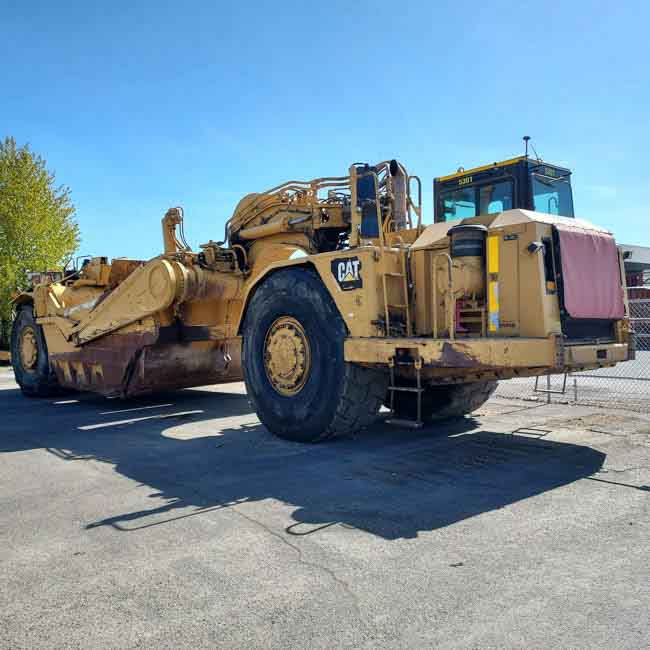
point(494, 165)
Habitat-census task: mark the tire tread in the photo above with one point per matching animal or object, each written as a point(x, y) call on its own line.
point(362, 389)
point(43, 383)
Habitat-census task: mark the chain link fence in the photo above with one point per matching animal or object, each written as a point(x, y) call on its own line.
point(640, 317)
point(626, 385)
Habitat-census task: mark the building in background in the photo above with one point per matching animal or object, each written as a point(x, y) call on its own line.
point(637, 271)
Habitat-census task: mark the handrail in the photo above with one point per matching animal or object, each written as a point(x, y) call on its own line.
point(380, 225)
point(450, 286)
point(355, 216)
point(404, 254)
point(417, 209)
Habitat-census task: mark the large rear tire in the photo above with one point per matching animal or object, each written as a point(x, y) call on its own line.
point(296, 377)
point(444, 401)
point(29, 356)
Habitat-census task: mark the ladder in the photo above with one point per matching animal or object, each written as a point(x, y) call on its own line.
point(403, 306)
point(417, 390)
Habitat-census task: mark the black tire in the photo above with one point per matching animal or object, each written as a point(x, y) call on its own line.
point(444, 401)
point(336, 397)
point(38, 380)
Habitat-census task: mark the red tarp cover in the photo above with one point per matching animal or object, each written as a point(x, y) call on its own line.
point(591, 274)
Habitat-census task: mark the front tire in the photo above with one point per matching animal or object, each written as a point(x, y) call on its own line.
point(296, 377)
point(29, 356)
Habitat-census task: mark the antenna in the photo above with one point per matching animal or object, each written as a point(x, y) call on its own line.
point(526, 139)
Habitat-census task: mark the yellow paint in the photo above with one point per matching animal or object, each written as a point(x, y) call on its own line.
point(474, 170)
point(504, 319)
point(493, 254)
point(494, 296)
point(511, 352)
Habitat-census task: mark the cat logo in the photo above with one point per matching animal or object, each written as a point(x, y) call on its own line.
point(347, 272)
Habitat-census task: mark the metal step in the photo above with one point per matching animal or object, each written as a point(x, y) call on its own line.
point(406, 389)
point(416, 390)
point(411, 424)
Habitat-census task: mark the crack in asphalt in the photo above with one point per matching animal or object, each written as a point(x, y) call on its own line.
point(301, 558)
point(616, 470)
point(609, 433)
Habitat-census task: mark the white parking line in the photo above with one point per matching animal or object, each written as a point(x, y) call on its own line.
point(116, 423)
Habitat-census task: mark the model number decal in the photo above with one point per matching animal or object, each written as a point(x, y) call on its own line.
point(347, 273)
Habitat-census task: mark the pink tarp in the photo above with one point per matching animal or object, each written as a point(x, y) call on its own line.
point(591, 274)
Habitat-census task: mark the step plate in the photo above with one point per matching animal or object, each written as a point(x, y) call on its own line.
point(409, 424)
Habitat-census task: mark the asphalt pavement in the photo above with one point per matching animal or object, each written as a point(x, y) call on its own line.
point(178, 521)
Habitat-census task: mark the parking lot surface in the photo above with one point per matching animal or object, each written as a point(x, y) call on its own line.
point(179, 521)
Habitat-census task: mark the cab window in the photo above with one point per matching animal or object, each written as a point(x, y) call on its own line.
point(459, 204)
point(552, 195)
point(495, 198)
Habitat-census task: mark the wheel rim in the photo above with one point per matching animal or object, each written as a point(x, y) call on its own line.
point(28, 348)
point(287, 356)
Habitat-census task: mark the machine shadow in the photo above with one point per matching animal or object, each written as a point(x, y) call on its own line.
point(389, 482)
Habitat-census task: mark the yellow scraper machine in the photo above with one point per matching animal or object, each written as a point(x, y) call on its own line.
point(330, 298)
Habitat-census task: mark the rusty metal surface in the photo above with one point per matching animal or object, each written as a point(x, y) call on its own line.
point(452, 357)
point(138, 362)
point(469, 353)
point(101, 366)
point(183, 365)
point(121, 269)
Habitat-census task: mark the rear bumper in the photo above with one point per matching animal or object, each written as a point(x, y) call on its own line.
point(486, 353)
point(598, 355)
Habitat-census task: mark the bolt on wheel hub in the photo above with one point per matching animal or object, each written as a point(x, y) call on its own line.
point(287, 356)
point(28, 348)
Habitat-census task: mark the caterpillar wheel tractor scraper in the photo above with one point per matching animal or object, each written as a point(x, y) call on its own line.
point(330, 298)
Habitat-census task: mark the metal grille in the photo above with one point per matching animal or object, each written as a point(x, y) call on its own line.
point(626, 385)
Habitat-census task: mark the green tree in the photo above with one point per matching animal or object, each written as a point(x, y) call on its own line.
point(37, 226)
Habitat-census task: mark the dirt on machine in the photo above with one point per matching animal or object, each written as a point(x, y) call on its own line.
point(330, 298)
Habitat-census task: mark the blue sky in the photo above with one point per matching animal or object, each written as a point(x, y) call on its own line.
point(140, 106)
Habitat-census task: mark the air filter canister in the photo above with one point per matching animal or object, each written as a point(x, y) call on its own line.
point(467, 240)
